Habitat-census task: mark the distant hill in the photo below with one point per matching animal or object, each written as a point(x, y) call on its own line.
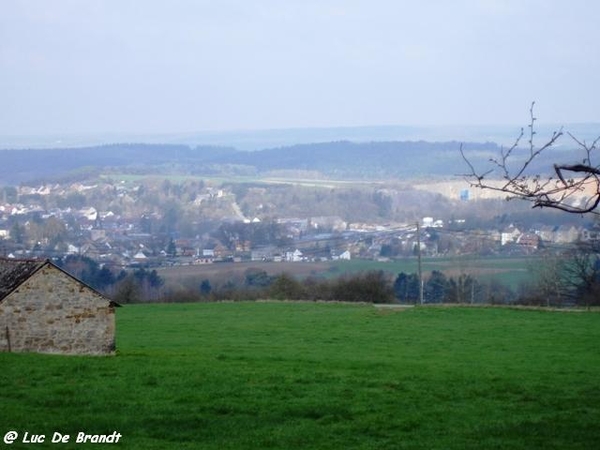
point(374, 159)
point(338, 160)
point(252, 140)
point(31, 164)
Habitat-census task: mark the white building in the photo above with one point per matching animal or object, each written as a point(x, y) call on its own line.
point(294, 256)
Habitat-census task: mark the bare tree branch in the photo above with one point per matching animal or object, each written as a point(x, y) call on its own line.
point(573, 187)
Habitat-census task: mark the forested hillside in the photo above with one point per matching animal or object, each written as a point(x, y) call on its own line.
point(34, 164)
point(337, 160)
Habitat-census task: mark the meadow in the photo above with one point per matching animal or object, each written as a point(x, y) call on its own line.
point(511, 271)
point(287, 375)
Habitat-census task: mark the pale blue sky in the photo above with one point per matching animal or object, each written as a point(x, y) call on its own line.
point(168, 66)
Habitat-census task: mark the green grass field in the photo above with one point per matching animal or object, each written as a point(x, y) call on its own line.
point(320, 376)
point(506, 269)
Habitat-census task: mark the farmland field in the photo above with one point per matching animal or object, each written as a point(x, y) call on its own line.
point(508, 270)
point(321, 376)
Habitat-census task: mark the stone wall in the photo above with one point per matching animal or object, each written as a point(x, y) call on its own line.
point(52, 312)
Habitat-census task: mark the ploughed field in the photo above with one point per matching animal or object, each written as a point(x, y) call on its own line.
point(321, 376)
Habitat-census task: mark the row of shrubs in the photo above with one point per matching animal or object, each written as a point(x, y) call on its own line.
point(363, 287)
point(142, 285)
point(367, 287)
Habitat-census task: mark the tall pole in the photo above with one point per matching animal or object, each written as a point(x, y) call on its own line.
point(419, 263)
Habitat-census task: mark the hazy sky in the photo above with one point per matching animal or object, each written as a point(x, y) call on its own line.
point(161, 66)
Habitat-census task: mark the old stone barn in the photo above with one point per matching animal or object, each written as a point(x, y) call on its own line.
point(45, 309)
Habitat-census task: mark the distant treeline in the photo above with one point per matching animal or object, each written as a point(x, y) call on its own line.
point(364, 287)
point(120, 285)
point(373, 286)
point(334, 159)
point(141, 286)
point(39, 164)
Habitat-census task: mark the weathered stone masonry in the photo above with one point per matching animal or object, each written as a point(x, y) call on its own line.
point(49, 311)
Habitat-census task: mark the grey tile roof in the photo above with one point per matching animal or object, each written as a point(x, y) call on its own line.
point(14, 272)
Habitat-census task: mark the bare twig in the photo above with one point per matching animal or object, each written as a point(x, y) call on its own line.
point(558, 193)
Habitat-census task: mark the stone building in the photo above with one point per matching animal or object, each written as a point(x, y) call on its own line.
point(44, 309)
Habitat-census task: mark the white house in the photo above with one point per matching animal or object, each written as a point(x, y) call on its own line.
point(89, 213)
point(140, 255)
point(509, 235)
point(294, 256)
point(345, 256)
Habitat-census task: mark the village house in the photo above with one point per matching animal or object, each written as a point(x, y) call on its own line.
point(590, 235)
point(294, 256)
point(207, 256)
point(344, 256)
point(566, 234)
point(509, 235)
point(44, 309)
point(529, 241)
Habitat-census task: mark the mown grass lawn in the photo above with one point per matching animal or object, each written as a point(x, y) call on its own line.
point(321, 376)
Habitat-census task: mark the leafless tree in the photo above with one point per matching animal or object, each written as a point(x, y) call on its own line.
point(551, 283)
point(573, 188)
point(581, 270)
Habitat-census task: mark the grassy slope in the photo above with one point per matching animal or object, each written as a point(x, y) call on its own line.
point(279, 375)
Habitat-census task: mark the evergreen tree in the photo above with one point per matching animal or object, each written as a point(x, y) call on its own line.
point(436, 287)
point(205, 287)
point(406, 287)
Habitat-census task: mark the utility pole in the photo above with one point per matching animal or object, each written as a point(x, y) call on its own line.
point(419, 263)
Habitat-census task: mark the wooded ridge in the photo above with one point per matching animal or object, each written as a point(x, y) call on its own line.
point(338, 160)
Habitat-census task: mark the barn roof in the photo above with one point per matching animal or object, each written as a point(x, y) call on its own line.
point(14, 272)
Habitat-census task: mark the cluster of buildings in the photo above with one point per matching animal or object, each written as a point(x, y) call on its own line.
point(26, 231)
